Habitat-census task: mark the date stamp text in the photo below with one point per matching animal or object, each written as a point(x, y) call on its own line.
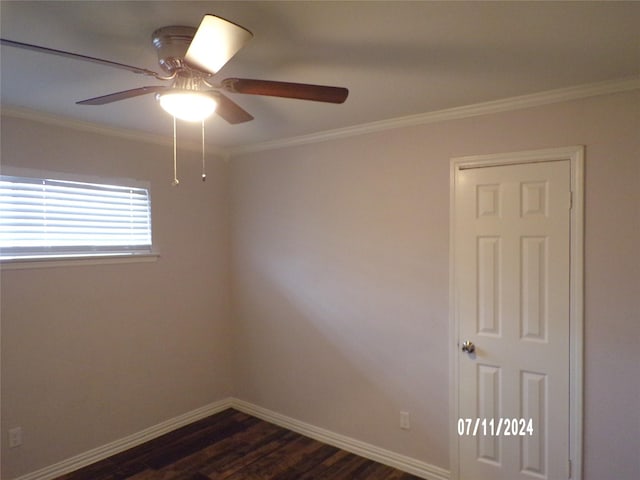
point(494, 427)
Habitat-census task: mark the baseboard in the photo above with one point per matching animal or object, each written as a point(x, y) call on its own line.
point(366, 450)
point(130, 441)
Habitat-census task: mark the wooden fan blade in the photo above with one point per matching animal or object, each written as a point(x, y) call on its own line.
point(230, 110)
point(77, 56)
point(215, 42)
point(115, 97)
point(302, 91)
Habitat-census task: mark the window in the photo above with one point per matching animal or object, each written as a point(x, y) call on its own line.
point(44, 218)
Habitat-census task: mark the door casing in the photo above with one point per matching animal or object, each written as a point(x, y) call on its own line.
point(575, 156)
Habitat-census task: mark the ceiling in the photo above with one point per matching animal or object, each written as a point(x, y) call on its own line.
point(397, 58)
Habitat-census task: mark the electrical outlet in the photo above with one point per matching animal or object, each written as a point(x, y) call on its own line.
point(404, 421)
point(15, 437)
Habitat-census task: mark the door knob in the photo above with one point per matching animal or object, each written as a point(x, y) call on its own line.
point(468, 347)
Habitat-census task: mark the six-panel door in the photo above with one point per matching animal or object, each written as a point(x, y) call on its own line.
point(512, 277)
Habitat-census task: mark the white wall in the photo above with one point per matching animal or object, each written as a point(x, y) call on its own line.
point(340, 276)
point(338, 261)
point(91, 354)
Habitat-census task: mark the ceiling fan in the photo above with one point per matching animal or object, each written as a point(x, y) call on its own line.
point(190, 59)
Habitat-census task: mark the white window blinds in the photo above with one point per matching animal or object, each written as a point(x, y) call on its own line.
point(45, 217)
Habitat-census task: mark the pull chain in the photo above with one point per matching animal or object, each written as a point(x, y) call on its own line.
point(204, 175)
point(175, 182)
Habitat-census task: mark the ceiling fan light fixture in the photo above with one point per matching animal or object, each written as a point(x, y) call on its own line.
point(189, 106)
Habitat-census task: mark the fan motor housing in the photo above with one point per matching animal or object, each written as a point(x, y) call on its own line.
point(171, 44)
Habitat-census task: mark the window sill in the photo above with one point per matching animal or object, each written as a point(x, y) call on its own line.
point(75, 261)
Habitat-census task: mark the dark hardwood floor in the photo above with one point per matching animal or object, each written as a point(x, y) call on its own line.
point(234, 446)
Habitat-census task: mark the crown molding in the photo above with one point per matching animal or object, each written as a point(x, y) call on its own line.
point(484, 108)
point(473, 110)
point(90, 127)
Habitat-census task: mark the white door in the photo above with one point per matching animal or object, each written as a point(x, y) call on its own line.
point(512, 294)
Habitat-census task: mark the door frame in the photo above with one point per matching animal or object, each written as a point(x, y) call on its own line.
point(575, 156)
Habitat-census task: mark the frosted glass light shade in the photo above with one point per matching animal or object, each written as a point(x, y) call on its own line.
point(189, 106)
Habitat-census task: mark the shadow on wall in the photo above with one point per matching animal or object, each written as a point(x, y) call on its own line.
point(332, 287)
